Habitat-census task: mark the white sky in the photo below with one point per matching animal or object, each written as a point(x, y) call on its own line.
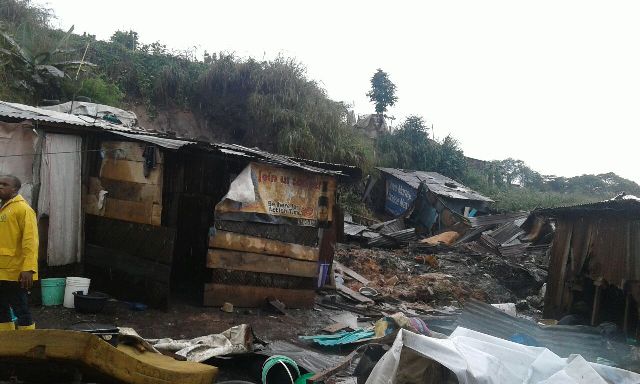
point(554, 83)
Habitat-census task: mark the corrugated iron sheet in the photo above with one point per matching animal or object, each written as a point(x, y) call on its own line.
point(560, 339)
point(159, 141)
point(473, 234)
point(623, 205)
point(513, 251)
point(351, 229)
point(401, 237)
point(26, 112)
point(500, 219)
point(506, 233)
point(437, 183)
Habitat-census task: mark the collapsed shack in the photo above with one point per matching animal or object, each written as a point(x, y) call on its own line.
point(429, 200)
point(133, 209)
point(594, 266)
point(494, 258)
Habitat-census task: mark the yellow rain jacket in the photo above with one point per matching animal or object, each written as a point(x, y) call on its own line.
point(18, 239)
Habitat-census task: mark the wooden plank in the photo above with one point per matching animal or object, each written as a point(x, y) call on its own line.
point(142, 240)
point(255, 262)
point(132, 211)
point(126, 170)
point(112, 259)
point(237, 242)
point(128, 150)
point(126, 190)
point(245, 296)
point(356, 296)
point(302, 235)
point(351, 273)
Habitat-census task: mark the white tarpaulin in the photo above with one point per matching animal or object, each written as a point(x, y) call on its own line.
point(60, 197)
point(476, 358)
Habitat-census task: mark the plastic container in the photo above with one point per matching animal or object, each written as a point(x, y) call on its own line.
point(93, 302)
point(52, 291)
point(75, 284)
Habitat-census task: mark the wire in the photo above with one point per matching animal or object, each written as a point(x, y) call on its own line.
point(59, 153)
point(288, 371)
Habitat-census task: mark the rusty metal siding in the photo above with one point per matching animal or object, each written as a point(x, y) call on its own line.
point(606, 248)
point(557, 267)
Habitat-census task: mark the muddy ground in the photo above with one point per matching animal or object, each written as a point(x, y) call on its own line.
point(185, 320)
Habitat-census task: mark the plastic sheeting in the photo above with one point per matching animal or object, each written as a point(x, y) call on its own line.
point(17, 153)
point(474, 357)
point(60, 197)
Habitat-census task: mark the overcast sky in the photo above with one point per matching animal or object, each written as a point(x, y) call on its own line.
point(554, 83)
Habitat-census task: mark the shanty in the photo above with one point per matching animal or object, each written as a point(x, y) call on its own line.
point(141, 213)
point(258, 193)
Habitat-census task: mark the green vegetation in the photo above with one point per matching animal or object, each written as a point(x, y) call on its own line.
point(269, 104)
point(409, 147)
point(383, 91)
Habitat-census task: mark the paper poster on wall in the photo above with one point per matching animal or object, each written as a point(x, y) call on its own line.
point(267, 194)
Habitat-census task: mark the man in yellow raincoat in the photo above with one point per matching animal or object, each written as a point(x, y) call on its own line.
point(18, 254)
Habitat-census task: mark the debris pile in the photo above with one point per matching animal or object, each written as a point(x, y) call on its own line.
point(438, 279)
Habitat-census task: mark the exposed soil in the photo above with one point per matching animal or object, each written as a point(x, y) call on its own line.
point(189, 321)
point(441, 279)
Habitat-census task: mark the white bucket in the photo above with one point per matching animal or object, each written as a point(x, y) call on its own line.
point(75, 284)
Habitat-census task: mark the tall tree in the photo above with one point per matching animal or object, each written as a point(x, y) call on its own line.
point(383, 91)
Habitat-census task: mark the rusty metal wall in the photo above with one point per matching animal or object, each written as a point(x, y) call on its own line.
point(606, 248)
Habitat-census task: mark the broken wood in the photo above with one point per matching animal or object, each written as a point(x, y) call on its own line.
point(131, 211)
point(336, 327)
point(351, 273)
point(322, 375)
point(246, 296)
point(350, 293)
point(255, 262)
point(245, 243)
point(279, 305)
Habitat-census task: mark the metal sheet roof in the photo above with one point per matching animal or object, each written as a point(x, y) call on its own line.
point(481, 221)
point(560, 339)
point(437, 183)
point(159, 141)
point(623, 205)
point(26, 112)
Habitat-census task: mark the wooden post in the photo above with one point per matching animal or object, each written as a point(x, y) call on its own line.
point(625, 321)
point(596, 302)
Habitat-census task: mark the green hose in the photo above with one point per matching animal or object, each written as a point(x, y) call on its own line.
point(279, 359)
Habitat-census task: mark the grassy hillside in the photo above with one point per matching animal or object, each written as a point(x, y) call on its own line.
point(269, 104)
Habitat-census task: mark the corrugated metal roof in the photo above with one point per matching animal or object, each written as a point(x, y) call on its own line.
point(481, 221)
point(506, 233)
point(26, 112)
point(626, 205)
point(560, 339)
point(159, 141)
point(437, 183)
